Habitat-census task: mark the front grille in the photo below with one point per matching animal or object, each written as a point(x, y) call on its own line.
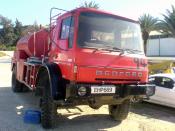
point(105, 79)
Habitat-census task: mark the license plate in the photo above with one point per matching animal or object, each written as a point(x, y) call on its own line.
point(102, 89)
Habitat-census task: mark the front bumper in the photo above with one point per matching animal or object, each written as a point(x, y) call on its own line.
point(120, 92)
point(147, 90)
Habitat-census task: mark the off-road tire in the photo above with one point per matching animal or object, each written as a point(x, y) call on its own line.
point(119, 112)
point(48, 108)
point(16, 85)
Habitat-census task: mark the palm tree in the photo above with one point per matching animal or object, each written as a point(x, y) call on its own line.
point(147, 23)
point(168, 24)
point(91, 4)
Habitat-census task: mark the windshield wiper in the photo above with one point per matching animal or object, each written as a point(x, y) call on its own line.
point(94, 48)
point(133, 51)
point(116, 49)
point(106, 48)
point(130, 51)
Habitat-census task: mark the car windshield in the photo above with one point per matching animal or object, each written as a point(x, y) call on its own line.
point(104, 31)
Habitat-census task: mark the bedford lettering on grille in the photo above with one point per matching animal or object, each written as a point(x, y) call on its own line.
point(118, 73)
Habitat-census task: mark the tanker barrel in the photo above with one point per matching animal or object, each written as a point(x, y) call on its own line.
point(35, 44)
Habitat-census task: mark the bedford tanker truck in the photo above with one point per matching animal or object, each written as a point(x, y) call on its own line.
point(86, 57)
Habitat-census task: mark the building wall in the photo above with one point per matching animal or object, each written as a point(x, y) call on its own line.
point(161, 47)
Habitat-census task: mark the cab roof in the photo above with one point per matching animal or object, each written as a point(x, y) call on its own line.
point(79, 10)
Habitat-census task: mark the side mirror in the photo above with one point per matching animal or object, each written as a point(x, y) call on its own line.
point(64, 44)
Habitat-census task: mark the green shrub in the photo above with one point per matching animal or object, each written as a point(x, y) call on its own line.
point(2, 47)
point(7, 47)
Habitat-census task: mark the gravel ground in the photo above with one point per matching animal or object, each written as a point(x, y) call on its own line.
point(142, 117)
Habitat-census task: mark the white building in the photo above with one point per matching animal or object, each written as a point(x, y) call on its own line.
point(161, 45)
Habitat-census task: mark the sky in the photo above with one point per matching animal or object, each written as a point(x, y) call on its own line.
point(29, 11)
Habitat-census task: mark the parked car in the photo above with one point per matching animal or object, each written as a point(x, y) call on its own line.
point(165, 89)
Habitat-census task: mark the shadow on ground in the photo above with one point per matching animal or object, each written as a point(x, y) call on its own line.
point(90, 122)
point(154, 111)
point(13, 106)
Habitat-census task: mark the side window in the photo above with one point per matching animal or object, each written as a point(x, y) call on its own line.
point(164, 82)
point(71, 33)
point(67, 30)
point(158, 81)
point(167, 82)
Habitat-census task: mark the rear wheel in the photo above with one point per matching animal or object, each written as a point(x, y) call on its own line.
point(16, 85)
point(119, 112)
point(48, 108)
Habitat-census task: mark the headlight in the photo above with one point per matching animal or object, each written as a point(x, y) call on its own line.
point(150, 90)
point(82, 91)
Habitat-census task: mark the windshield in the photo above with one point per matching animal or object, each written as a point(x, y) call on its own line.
point(104, 31)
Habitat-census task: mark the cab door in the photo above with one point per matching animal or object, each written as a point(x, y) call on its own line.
point(172, 95)
point(62, 51)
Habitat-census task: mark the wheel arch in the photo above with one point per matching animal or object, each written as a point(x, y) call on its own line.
point(54, 74)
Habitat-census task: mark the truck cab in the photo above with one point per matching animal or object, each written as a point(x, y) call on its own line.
point(88, 57)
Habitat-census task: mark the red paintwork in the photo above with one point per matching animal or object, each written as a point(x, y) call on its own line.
point(40, 39)
point(86, 60)
point(107, 62)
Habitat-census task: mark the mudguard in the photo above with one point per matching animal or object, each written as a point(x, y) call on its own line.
point(54, 77)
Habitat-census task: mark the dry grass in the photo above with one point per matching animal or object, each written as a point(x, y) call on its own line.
point(2, 54)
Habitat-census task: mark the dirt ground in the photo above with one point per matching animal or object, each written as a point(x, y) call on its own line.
point(142, 116)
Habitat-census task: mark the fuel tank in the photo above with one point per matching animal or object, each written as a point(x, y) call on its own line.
point(34, 44)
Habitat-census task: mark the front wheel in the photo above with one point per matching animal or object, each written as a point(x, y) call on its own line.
point(119, 112)
point(48, 108)
point(48, 112)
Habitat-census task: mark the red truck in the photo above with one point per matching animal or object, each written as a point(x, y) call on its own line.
point(87, 57)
